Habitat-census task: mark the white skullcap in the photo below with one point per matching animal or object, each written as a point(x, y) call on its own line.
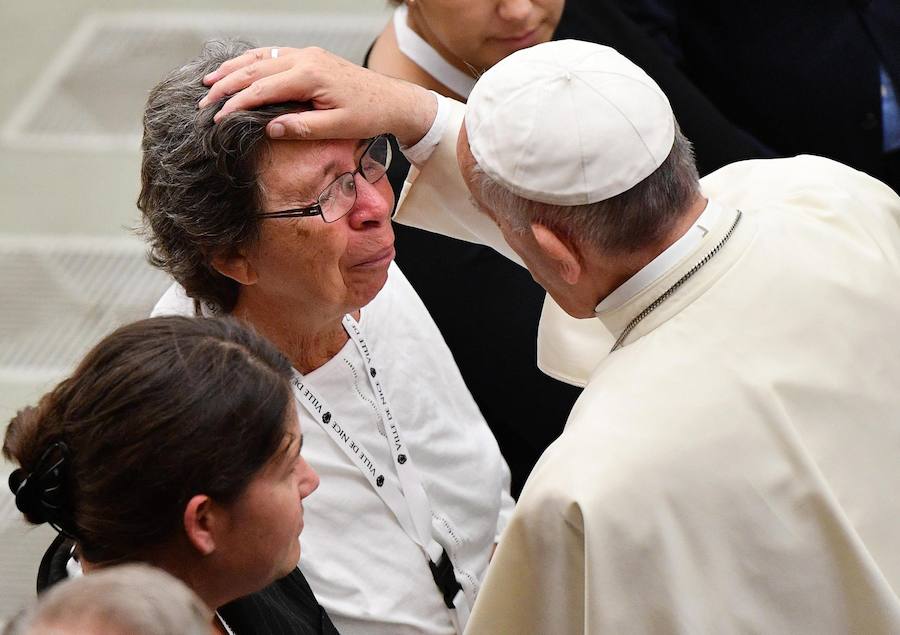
point(568, 123)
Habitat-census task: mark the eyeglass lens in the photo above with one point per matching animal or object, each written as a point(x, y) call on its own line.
point(338, 198)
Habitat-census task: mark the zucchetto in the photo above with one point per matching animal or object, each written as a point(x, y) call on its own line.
point(568, 123)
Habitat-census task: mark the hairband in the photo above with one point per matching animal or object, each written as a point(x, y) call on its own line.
point(41, 495)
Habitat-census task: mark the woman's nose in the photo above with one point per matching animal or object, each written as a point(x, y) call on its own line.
point(514, 10)
point(373, 203)
point(309, 479)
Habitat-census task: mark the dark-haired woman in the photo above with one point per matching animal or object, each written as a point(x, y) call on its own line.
point(176, 443)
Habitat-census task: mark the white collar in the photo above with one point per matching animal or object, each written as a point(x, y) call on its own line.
point(423, 54)
point(664, 262)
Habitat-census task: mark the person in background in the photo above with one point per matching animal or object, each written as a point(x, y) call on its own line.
point(129, 599)
point(295, 239)
point(820, 78)
point(444, 46)
point(175, 442)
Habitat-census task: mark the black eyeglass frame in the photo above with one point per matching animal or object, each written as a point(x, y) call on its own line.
point(316, 210)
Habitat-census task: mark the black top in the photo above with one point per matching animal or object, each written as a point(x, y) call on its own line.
point(285, 607)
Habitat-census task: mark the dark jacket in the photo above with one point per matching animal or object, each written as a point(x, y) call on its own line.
point(802, 76)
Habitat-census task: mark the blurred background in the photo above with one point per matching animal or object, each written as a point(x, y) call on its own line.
point(75, 75)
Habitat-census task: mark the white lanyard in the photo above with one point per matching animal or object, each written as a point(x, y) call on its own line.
point(224, 624)
point(409, 502)
point(423, 54)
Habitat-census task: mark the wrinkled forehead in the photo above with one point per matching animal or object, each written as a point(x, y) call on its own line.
point(307, 165)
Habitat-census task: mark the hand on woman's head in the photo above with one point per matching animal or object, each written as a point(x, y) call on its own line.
point(348, 101)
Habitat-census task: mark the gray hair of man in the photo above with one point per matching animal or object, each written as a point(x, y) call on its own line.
point(200, 190)
point(132, 599)
point(638, 218)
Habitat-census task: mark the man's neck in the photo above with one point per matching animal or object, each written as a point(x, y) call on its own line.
point(306, 337)
point(613, 271)
point(684, 223)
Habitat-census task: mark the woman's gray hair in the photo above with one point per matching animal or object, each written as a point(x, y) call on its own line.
point(200, 189)
point(635, 219)
point(133, 599)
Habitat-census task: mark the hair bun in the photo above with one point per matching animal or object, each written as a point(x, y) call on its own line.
point(41, 495)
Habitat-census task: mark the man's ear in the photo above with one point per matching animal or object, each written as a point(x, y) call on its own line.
point(201, 522)
point(560, 251)
point(236, 266)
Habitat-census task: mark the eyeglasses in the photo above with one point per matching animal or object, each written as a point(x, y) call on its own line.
point(339, 196)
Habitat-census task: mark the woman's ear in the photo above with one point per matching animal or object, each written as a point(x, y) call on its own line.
point(201, 523)
point(560, 252)
point(236, 266)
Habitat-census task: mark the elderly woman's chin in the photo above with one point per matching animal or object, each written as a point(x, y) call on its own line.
point(368, 276)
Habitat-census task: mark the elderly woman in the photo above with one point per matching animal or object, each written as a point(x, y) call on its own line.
point(295, 238)
point(176, 443)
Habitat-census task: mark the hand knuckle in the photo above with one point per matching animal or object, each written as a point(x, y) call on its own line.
point(250, 71)
point(301, 128)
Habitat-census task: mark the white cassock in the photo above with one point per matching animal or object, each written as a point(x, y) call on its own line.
point(735, 466)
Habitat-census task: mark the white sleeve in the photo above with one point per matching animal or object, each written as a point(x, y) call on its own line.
point(535, 582)
point(435, 197)
point(420, 152)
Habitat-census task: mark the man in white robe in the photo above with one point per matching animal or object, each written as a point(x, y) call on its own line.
point(732, 464)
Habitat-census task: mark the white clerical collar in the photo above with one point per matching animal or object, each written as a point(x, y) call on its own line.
point(423, 54)
point(658, 267)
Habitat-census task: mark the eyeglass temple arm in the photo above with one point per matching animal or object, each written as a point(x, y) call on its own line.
point(316, 210)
